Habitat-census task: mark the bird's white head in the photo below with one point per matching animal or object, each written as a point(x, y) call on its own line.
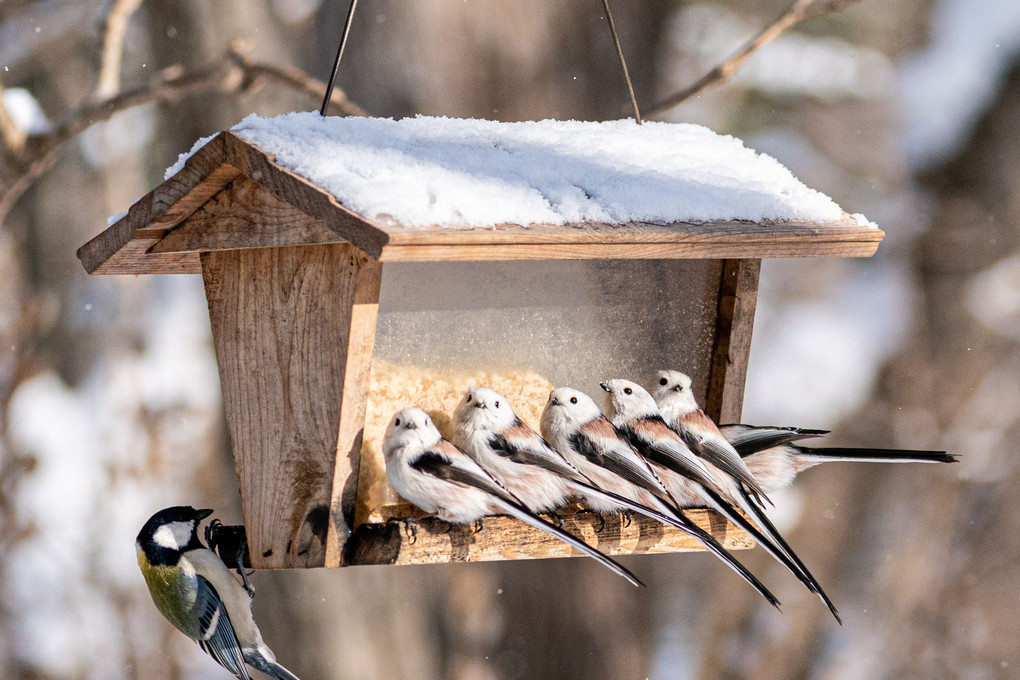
point(672, 390)
point(626, 400)
point(483, 409)
point(567, 409)
point(410, 431)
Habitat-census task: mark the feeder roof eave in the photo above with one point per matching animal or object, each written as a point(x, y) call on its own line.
point(230, 194)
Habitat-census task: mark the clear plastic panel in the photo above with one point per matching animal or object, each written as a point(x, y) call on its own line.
point(522, 328)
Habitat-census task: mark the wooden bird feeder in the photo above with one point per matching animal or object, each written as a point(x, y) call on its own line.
point(305, 293)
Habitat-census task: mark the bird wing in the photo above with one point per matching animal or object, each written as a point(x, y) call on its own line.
point(654, 439)
point(602, 444)
point(748, 439)
point(703, 438)
point(459, 469)
point(216, 633)
point(520, 444)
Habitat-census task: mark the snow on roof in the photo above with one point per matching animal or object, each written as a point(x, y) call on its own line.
point(476, 173)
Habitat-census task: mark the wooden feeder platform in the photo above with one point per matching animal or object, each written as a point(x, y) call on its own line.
point(292, 279)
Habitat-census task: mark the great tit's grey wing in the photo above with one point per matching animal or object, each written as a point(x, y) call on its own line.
point(216, 633)
point(523, 445)
point(748, 439)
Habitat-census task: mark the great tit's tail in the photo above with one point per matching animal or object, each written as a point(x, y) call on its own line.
point(269, 666)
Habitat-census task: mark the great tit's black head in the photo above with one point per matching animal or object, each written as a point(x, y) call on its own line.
point(170, 532)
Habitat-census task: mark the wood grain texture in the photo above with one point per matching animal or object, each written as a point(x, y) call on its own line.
point(244, 215)
point(738, 297)
point(203, 176)
point(356, 380)
point(281, 320)
point(430, 541)
point(303, 195)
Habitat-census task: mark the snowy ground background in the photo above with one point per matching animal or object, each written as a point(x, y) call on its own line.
point(112, 402)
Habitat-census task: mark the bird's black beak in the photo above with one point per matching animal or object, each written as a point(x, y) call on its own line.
point(411, 425)
point(480, 404)
point(554, 401)
point(604, 386)
point(202, 514)
point(678, 388)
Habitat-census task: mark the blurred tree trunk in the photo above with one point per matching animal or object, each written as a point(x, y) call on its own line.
point(933, 546)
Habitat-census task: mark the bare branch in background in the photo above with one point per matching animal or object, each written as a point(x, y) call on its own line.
point(12, 138)
point(235, 73)
point(114, 28)
point(799, 11)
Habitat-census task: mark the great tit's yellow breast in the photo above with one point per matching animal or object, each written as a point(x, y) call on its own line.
point(174, 590)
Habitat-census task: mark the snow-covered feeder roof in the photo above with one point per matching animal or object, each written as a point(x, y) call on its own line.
point(423, 188)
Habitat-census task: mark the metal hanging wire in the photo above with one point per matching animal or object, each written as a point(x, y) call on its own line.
point(623, 62)
point(339, 55)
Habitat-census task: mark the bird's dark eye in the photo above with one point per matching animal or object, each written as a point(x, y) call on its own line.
point(496, 404)
point(469, 399)
point(573, 400)
point(627, 390)
point(663, 381)
point(397, 422)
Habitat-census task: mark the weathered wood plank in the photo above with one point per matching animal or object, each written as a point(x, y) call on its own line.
point(281, 320)
point(738, 297)
point(430, 541)
point(245, 215)
point(202, 176)
point(303, 195)
point(356, 380)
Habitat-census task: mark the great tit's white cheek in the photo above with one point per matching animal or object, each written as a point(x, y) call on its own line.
point(173, 536)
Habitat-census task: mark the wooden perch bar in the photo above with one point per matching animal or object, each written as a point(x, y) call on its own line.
point(429, 540)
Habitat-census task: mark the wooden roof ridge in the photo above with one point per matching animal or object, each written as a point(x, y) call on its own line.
point(231, 194)
point(228, 178)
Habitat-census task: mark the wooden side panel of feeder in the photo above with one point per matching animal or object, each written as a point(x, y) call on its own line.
point(738, 297)
point(289, 325)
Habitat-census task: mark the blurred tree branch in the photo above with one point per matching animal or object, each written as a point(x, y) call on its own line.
point(114, 28)
point(799, 11)
point(236, 73)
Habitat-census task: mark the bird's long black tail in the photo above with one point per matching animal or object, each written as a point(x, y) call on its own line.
point(675, 517)
point(530, 518)
point(875, 455)
point(778, 549)
point(769, 528)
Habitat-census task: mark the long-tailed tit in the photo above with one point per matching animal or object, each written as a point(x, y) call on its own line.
point(632, 409)
point(439, 478)
point(574, 426)
point(678, 407)
point(775, 465)
point(488, 430)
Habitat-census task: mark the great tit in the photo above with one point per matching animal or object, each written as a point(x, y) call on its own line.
point(199, 595)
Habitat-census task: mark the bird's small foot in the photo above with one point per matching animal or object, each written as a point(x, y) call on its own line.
point(627, 516)
point(212, 530)
point(478, 526)
point(410, 525)
point(556, 519)
point(242, 550)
